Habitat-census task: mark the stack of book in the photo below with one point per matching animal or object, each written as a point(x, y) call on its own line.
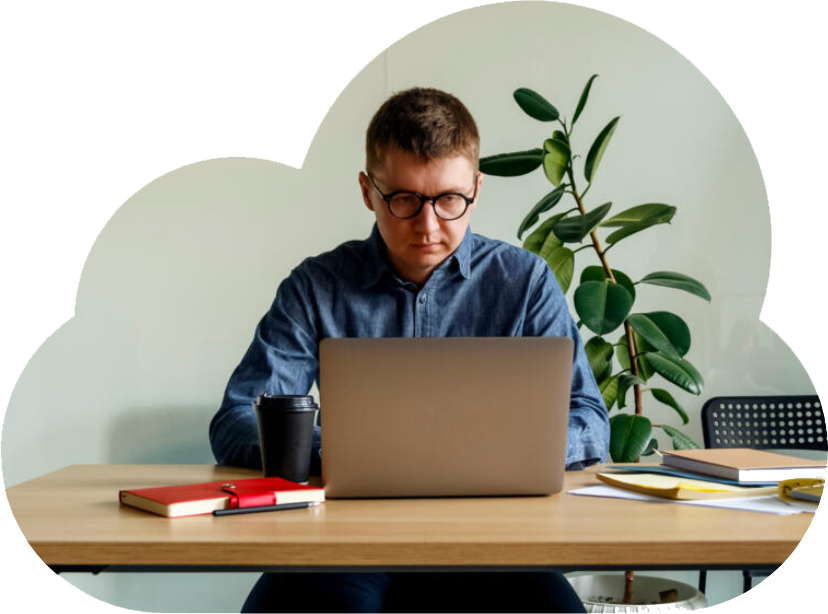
point(721, 473)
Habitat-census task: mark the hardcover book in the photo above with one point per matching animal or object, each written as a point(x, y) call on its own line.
point(744, 465)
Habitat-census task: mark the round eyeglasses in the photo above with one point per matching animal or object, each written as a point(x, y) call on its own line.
point(404, 204)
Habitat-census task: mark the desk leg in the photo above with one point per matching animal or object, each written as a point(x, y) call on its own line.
point(93, 569)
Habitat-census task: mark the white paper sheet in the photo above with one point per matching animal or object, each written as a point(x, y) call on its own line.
point(768, 504)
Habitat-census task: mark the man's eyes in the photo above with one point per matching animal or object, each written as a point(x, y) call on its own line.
point(450, 199)
point(406, 199)
point(409, 198)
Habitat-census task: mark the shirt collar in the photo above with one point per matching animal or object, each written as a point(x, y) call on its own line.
point(463, 253)
point(376, 259)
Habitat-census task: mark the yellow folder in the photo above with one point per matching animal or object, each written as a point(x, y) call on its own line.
point(682, 489)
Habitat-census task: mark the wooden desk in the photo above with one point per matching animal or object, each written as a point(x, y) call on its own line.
point(73, 520)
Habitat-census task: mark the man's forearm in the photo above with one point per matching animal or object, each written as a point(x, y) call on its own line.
point(587, 435)
point(234, 437)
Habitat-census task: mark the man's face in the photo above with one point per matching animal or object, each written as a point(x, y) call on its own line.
point(416, 246)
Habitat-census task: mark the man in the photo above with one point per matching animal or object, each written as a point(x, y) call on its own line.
point(421, 273)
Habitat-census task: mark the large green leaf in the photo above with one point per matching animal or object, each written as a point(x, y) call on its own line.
point(602, 305)
point(674, 327)
point(555, 160)
point(562, 262)
point(651, 448)
point(597, 273)
point(671, 325)
point(629, 437)
point(677, 371)
point(535, 105)
point(583, 100)
point(512, 164)
point(631, 229)
point(543, 240)
point(599, 354)
point(645, 371)
point(662, 396)
point(543, 205)
point(596, 152)
point(680, 440)
point(625, 382)
point(609, 390)
point(669, 279)
point(573, 229)
point(638, 218)
point(606, 374)
point(639, 213)
point(543, 233)
point(552, 242)
point(650, 331)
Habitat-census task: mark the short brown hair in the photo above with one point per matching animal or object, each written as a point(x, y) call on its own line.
point(424, 121)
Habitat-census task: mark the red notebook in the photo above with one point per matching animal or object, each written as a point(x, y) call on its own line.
point(193, 499)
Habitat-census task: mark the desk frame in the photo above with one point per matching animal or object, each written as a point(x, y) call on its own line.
point(97, 569)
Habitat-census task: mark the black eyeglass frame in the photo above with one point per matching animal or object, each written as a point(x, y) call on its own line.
point(424, 199)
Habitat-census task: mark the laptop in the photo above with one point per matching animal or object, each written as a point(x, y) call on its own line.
point(444, 417)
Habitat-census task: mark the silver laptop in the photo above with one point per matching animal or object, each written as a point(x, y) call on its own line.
point(444, 417)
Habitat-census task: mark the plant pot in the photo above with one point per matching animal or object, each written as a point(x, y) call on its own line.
point(603, 592)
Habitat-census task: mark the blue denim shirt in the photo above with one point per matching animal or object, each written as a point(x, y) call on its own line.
point(487, 288)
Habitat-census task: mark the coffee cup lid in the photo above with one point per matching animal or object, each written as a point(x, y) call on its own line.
point(295, 402)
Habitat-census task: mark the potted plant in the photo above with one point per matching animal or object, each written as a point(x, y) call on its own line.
point(625, 349)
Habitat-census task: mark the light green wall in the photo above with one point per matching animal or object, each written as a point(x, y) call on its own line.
point(179, 277)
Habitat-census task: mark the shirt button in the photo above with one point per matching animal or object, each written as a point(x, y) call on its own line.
point(423, 298)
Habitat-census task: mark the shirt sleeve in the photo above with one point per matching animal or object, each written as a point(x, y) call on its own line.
point(547, 315)
point(282, 359)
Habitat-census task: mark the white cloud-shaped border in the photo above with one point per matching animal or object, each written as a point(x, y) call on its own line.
point(87, 95)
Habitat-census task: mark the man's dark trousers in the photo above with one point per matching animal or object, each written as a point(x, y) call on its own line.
point(413, 592)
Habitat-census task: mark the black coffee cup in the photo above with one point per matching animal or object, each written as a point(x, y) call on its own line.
point(286, 435)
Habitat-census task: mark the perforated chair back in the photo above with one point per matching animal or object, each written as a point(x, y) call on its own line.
point(793, 423)
point(781, 422)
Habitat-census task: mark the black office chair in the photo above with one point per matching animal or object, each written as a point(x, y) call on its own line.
point(781, 423)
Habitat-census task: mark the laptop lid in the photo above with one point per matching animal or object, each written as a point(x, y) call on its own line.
point(432, 417)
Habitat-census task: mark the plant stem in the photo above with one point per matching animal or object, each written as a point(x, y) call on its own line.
point(629, 576)
point(634, 368)
point(593, 234)
point(608, 271)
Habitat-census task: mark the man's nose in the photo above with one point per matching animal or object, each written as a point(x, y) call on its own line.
point(427, 220)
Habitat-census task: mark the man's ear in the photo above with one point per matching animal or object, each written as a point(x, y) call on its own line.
point(366, 187)
point(479, 188)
